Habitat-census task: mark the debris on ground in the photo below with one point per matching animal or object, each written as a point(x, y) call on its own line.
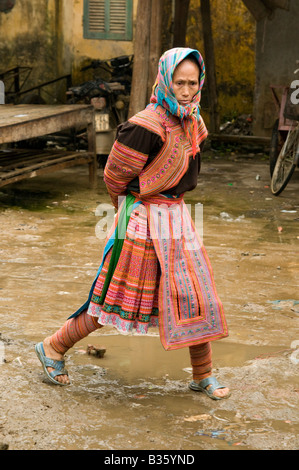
point(97, 351)
point(242, 125)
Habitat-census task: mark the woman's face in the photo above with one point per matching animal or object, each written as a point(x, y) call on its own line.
point(185, 81)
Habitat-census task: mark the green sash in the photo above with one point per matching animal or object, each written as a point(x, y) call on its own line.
point(120, 234)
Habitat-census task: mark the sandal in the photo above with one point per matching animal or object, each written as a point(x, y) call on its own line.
point(203, 384)
point(58, 366)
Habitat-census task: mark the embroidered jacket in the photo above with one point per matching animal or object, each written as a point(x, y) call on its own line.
point(152, 155)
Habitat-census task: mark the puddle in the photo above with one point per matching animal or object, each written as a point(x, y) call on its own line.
point(132, 358)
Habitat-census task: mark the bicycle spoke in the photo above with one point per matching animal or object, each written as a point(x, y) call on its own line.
point(286, 162)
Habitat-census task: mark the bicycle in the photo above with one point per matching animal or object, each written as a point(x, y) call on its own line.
point(284, 151)
point(287, 161)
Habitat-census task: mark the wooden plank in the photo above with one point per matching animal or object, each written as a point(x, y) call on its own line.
point(25, 159)
point(14, 114)
point(241, 139)
point(45, 163)
point(42, 171)
point(23, 122)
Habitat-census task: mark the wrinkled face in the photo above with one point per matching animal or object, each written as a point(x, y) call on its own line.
point(185, 81)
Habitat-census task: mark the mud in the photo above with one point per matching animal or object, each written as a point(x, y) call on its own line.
point(136, 396)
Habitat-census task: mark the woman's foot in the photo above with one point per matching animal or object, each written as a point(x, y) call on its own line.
point(211, 387)
point(220, 392)
point(50, 353)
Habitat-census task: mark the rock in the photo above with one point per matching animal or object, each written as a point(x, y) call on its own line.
point(97, 351)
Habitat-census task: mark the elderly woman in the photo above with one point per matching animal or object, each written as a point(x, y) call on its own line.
point(155, 270)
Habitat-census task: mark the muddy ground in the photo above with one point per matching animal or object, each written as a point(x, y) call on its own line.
point(136, 396)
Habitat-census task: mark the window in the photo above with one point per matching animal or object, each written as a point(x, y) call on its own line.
point(108, 19)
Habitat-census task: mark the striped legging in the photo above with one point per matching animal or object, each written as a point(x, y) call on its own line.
point(81, 326)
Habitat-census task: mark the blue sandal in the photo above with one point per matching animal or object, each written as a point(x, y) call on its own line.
point(58, 366)
point(203, 384)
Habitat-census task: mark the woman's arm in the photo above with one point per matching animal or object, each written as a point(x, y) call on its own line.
point(129, 154)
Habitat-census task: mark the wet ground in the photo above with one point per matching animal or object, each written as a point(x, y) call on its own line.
point(136, 396)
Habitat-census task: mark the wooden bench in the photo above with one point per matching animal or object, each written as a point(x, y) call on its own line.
point(22, 122)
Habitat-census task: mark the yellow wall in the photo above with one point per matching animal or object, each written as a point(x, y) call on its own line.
point(27, 38)
point(81, 50)
point(234, 44)
point(48, 36)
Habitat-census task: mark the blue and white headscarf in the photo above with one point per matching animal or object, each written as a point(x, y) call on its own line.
point(163, 93)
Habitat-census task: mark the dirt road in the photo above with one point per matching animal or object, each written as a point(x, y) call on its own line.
point(137, 396)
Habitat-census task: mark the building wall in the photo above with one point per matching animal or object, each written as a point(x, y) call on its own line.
point(47, 35)
point(27, 38)
point(76, 50)
point(276, 55)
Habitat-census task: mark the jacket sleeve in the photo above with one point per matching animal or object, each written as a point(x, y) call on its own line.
point(129, 154)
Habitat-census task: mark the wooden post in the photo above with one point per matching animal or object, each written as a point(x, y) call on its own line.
point(155, 44)
point(141, 57)
point(210, 64)
point(93, 165)
point(180, 22)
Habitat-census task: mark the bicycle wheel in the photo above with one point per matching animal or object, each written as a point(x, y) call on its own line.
point(285, 164)
point(277, 140)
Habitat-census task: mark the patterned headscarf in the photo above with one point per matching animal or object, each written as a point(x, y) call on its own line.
point(163, 93)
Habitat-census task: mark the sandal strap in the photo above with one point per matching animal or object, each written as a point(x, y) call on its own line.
point(55, 373)
point(215, 385)
point(58, 365)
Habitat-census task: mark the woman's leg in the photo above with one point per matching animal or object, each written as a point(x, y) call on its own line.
point(201, 362)
point(71, 332)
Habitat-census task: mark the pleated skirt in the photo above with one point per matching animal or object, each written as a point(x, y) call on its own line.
point(131, 301)
point(163, 278)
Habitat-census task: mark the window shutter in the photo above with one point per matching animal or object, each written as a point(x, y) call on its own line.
point(108, 19)
point(118, 16)
point(96, 16)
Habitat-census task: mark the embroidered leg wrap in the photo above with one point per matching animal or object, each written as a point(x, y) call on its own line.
point(201, 361)
point(72, 331)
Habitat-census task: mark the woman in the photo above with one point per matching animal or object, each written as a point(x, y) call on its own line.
point(155, 270)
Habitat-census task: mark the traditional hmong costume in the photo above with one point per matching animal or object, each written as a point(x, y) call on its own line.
point(155, 270)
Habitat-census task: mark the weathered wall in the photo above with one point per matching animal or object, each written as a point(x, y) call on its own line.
point(276, 55)
point(48, 36)
point(76, 50)
point(27, 38)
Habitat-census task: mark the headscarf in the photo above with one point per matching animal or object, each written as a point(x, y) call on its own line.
point(163, 93)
